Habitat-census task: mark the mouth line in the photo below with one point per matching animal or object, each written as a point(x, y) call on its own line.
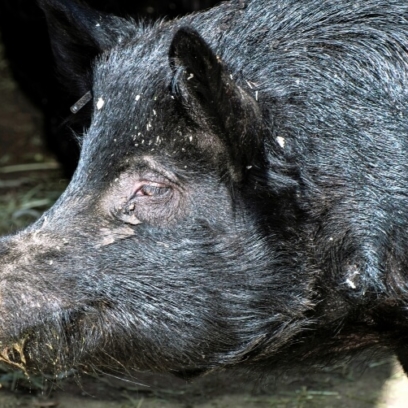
point(13, 356)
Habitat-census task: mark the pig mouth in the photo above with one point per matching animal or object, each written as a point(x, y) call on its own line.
point(18, 356)
point(45, 347)
point(14, 356)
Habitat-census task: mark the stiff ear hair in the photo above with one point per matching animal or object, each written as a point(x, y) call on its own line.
point(78, 34)
point(205, 86)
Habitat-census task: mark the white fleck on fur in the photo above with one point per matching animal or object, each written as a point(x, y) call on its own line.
point(281, 141)
point(100, 103)
point(351, 284)
point(350, 280)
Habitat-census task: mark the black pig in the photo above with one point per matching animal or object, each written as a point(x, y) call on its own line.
point(241, 197)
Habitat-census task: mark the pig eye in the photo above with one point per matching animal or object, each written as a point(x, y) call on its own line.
point(151, 202)
point(152, 190)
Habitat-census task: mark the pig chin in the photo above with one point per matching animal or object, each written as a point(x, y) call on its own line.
point(51, 325)
point(35, 315)
point(43, 343)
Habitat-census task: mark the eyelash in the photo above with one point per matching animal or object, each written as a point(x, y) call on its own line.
point(152, 189)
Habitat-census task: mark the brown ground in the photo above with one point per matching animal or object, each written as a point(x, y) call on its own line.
point(26, 192)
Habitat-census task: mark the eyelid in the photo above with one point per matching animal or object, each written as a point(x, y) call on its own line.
point(144, 183)
point(158, 169)
point(152, 183)
point(148, 183)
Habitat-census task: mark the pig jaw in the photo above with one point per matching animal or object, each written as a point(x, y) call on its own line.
point(76, 314)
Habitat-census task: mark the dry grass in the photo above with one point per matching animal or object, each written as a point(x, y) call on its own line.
point(24, 198)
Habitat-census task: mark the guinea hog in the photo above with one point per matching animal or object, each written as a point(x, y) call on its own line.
point(241, 198)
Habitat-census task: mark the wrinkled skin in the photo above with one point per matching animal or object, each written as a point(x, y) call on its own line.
point(241, 196)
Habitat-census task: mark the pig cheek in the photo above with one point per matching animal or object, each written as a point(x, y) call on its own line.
point(109, 236)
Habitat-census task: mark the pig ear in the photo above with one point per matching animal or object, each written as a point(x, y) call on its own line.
point(205, 86)
point(78, 34)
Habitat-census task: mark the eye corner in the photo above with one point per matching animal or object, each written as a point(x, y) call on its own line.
point(126, 213)
point(146, 195)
